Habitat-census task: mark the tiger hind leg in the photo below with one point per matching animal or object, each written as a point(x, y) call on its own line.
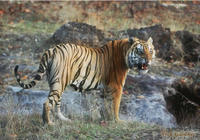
point(49, 105)
point(60, 115)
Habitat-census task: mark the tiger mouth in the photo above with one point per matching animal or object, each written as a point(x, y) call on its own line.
point(142, 66)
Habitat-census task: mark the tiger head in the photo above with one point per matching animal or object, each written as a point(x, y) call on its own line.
point(140, 54)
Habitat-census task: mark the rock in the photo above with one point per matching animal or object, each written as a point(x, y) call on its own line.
point(149, 109)
point(22, 101)
point(185, 103)
point(82, 33)
point(169, 45)
point(152, 107)
point(190, 45)
point(161, 37)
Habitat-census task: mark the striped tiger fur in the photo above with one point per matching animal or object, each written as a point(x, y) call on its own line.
point(85, 68)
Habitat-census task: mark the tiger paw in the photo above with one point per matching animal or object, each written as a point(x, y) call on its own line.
point(62, 117)
point(51, 123)
point(120, 121)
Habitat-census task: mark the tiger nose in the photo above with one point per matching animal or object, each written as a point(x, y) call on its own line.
point(145, 62)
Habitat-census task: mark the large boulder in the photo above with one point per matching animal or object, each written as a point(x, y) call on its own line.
point(170, 46)
point(185, 103)
point(147, 106)
point(79, 33)
point(190, 45)
point(161, 37)
point(146, 100)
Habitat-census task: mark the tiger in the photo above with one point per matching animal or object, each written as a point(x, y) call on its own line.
point(86, 68)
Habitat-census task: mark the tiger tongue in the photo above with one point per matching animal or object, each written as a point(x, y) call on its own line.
point(144, 67)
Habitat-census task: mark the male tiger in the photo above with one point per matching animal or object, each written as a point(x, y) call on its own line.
point(86, 68)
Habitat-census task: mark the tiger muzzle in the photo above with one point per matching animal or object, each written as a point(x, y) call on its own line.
point(143, 66)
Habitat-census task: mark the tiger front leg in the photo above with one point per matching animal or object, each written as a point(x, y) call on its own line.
point(116, 103)
point(108, 110)
point(112, 103)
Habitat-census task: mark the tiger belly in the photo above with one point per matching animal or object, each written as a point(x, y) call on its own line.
point(82, 84)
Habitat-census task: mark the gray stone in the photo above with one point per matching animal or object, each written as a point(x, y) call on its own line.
point(148, 107)
point(74, 32)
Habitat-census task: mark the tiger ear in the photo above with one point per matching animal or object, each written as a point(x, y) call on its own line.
point(131, 40)
point(150, 40)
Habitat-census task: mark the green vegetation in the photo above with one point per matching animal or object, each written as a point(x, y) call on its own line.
point(31, 127)
point(29, 27)
point(41, 17)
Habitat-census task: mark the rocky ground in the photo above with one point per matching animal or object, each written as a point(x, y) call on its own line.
point(167, 96)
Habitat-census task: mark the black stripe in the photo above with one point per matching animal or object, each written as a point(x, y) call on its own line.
point(88, 69)
point(72, 47)
point(65, 46)
point(33, 83)
point(27, 86)
point(50, 65)
point(81, 63)
point(63, 54)
point(107, 51)
point(113, 43)
point(76, 75)
point(79, 66)
point(74, 86)
point(55, 81)
point(38, 77)
point(45, 59)
point(87, 52)
point(54, 74)
point(22, 85)
point(95, 87)
point(16, 69)
point(114, 64)
point(93, 76)
point(119, 44)
point(96, 59)
point(76, 60)
point(100, 63)
point(107, 60)
point(49, 53)
point(18, 80)
point(54, 50)
point(91, 82)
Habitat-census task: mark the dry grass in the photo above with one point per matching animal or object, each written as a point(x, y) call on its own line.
point(31, 127)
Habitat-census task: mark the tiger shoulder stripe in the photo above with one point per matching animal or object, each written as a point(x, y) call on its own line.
point(85, 68)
